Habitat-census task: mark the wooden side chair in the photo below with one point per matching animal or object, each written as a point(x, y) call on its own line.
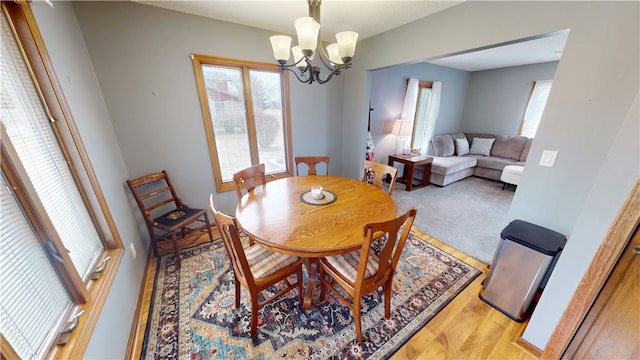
point(312, 162)
point(249, 178)
point(363, 271)
point(375, 173)
point(255, 267)
point(164, 213)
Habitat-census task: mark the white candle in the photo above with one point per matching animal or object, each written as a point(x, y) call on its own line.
point(316, 192)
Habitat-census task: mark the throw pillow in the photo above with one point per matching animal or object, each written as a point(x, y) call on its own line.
point(443, 145)
point(480, 146)
point(462, 147)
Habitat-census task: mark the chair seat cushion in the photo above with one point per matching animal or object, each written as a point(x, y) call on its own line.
point(264, 262)
point(347, 264)
point(176, 216)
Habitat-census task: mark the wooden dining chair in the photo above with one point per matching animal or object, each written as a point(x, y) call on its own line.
point(312, 162)
point(164, 213)
point(249, 178)
point(375, 173)
point(255, 267)
point(363, 271)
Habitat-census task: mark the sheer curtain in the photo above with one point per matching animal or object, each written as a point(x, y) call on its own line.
point(410, 100)
point(428, 107)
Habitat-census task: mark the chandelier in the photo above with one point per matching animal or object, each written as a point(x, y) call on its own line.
point(336, 58)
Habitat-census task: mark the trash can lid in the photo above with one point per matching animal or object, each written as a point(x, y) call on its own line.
point(534, 236)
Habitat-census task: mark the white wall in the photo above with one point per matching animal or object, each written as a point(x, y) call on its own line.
point(142, 59)
point(76, 75)
point(619, 171)
point(497, 99)
point(581, 120)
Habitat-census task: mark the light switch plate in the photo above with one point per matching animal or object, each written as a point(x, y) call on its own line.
point(133, 250)
point(548, 158)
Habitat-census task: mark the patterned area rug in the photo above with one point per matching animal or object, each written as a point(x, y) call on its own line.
point(193, 314)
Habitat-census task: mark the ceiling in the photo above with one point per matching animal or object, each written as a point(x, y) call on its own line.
point(369, 18)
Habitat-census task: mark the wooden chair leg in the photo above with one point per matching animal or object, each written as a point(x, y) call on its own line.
point(254, 315)
point(176, 248)
point(238, 288)
point(356, 318)
point(387, 298)
point(206, 221)
point(299, 278)
point(154, 246)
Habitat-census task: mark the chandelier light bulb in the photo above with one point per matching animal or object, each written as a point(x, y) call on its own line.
point(281, 45)
point(297, 57)
point(307, 30)
point(347, 43)
point(334, 54)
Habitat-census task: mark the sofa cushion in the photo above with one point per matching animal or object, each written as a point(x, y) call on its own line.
point(459, 136)
point(462, 146)
point(495, 162)
point(443, 145)
point(508, 146)
point(451, 164)
point(525, 149)
point(470, 136)
point(481, 146)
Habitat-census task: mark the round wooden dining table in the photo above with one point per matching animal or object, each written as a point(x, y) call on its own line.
point(282, 217)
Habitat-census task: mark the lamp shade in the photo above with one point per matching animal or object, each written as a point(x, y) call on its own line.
point(297, 56)
point(334, 54)
point(347, 43)
point(402, 127)
point(280, 45)
point(307, 30)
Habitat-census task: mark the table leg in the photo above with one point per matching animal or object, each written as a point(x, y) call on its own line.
point(312, 268)
point(409, 178)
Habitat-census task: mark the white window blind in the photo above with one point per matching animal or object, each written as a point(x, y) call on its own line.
point(33, 300)
point(535, 107)
point(30, 133)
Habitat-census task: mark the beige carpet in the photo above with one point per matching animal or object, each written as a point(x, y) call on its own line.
point(467, 215)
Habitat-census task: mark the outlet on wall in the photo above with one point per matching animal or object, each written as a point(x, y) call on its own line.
point(133, 250)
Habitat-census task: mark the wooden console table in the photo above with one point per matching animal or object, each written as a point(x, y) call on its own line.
point(410, 163)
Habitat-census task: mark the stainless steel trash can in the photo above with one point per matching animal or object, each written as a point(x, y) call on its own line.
point(521, 267)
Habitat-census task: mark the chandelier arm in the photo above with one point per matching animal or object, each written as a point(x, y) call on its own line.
point(283, 64)
point(328, 77)
point(302, 78)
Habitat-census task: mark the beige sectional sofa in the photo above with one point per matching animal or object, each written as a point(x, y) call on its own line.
point(460, 155)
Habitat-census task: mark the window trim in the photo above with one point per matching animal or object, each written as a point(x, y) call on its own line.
point(25, 29)
point(199, 60)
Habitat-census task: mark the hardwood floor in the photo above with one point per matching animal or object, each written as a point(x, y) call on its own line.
point(467, 328)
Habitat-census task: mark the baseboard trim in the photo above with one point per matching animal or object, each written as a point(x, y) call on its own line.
point(138, 326)
point(527, 347)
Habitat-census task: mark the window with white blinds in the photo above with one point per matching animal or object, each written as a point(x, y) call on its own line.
point(31, 302)
point(41, 205)
point(30, 133)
